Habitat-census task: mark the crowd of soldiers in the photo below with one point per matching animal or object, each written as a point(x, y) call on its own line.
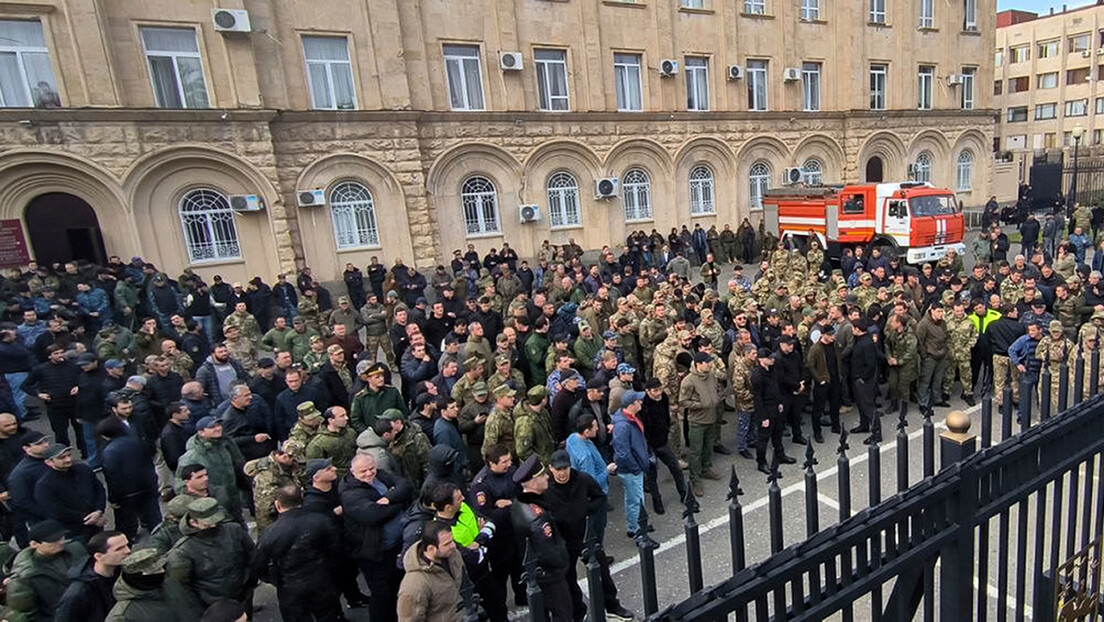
point(237, 435)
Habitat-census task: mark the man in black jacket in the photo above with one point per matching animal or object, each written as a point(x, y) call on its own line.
point(55, 382)
point(768, 418)
point(21, 484)
point(90, 403)
point(865, 359)
point(655, 414)
point(294, 555)
point(533, 522)
point(89, 597)
point(69, 493)
point(372, 503)
point(321, 497)
point(578, 505)
point(248, 422)
point(791, 385)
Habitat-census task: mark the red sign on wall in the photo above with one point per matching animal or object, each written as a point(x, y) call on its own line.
point(13, 246)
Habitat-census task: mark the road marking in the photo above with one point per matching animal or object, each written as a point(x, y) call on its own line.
point(828, 501)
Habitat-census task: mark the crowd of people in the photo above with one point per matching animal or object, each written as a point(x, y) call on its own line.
point(426, 434)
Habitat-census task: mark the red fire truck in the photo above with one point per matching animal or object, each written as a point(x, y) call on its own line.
point(916, 220)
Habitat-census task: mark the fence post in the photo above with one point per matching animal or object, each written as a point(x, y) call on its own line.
point(1006, 405)
point(533, 593)
point(1027, 395)
point(1078, 377)
point(902, 451)
point(736, 522)
point(986, 419)
point(812, 497)
point(597, 610)
point(956, 572)
point(957, 443)
point(1094, 370)
point(1044, 392)
point(774, 494)
point(1063, 380)
point(929, 443)
point(843, 480)
point(646, 546)
point(693, 543)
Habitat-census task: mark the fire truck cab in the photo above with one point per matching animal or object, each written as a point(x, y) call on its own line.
point(916, 220)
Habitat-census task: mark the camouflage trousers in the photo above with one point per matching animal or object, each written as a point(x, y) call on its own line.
point(674, 435)
point(961, 364)
point(900, 379)
point(374, 343)
point(1001, 366)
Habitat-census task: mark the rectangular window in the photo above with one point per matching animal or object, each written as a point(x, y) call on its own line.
point(552, 80)
point(1098, 137)
point(755, 7)
point(693, 4)
point(697, 83)
point(1077, 107)
point(969, 21)
point(1049, 140)
point(757, 84)
point(465, 77)
point(877, 11)
point(329, 73)
point(1046, 111)
point(810, 9)
point(998, 87)
point(1047, 49)
point(1078, 43)
point(1100, 105)
point(969, 75)
point(626, 71)
point(998, 58)
point(927, 14)
point(176, 68)
point(1100, 72)
point(925, 78)
point(1018, 85)
point(810, 86)
point(1017, 114)
point(26, 76)
point(1047, 80)
point(1078, 76)
point(878, 86)
point(1020, 53)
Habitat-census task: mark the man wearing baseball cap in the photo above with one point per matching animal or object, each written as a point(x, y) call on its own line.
point(31, 592)
point(220, 456)
point(281, 467)
point(630, 454)
point(142, 592)
point(70, 493)
point(699, 397)
point(212, 559)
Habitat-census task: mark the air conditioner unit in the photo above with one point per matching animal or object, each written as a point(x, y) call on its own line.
point(735, 72)
point(791, 74)
point(1086, 53)
point(231, 20)
point(954, 78)
point(246, 203)
point(509, 61)
point(793, 175)
point(311, 198)
point(529, 213)
point(668, 67)
point(606, 188)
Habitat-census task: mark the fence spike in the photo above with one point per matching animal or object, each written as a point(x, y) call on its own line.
point(734, 489)
point(691, 505)
point(843, 446)
point(775, 474)
point(810, 458)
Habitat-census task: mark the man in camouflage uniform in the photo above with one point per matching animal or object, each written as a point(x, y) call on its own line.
point(1012, 288)
point(902, 357)
point(1053, 349)
point(741, 362)
point(500, 424)
point(961, 335)
point(473, 374)
point(473, 418)
point(1095, 325)
point(504, 373)
point(780, 259)
point(625, 343)
point(666, 370)
point(298, 340)
point(1090, 342)
point(279, 468)
point(245, 322)
point(374, 317)
point(410, 447)
point(308, 310)
point(306, 427)
point(533, 432)
point(241, 350)
point(711, 330)
point(653, 330)
point(865, 293)
point(335, 441)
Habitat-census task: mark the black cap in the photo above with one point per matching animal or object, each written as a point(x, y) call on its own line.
point(828, 330)
point(32, 437)
point(860, 324)
point(787, 339)
point(528, 470)
point(596, 383)
point(560, 459)
point(266, 362)
point(702, 357)
point(764, 353)
point(653, 383)
point(46, 531)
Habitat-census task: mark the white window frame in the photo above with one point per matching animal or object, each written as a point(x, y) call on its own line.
point(759, 180)
point(998, 58)
point(810, 86)
point(964, 167)
point(927, 14)
point(636, 195)
point(1099, 105)
point(810, 10)
point(968, 95)
point(702, 191)
point(1048, 49)
point(1019, 54)
point(563, 201)
point(925, 81)
point(463, 56)
point(27, 98)
point(353, 212)
point(1041, 82)
point(758, 85)
point(546, 67)
point(479, 200)
point(969, 20)
point(879, 73)
point(693, 4)
point(175, 57)
point(755, 7)
point(812, 172)
point(210, 233)
point(877, 12)
point(331, 67)
point(922, 168)
point(628, 81)
point(697, 83)
point(1072, 43)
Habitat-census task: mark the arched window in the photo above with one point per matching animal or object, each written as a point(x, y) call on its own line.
point(922, 169)
point(636, 195)
point(701, 191)
point(563, 200)
point(965, 170)
point(813, 172)
point(759, 179)
point(354, 216)
point(480, 206)
point(209, 230)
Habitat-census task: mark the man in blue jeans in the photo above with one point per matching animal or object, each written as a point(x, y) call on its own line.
point(630, 454)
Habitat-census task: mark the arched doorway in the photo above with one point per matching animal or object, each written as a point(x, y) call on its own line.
point(62, 228)
point(874, 172)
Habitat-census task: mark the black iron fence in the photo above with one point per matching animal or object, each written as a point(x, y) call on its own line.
point(1013, 529)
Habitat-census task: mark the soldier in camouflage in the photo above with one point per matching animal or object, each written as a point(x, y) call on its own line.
point(473, 374)
point(653, 330)
point(504, 373)
point(242, 350)
point(336, 440)
point(309, 419)
point(1089, 344)
point(533, 433)
point(282, 467)
point(711, 330)
point(245, 322)
point(409, 445)
point(374, 317)
point(1053, 349)
point(499, 428)
point(961, 336)
point(299, 339)
point(901, 354)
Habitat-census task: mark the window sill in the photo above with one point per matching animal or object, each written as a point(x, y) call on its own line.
point(756, 16)
point(704, 215)
point(693, 11)
point(818, 22)
point(879, 24)
point(354, 249)
point(566, 228)
point(927, 29)
point(213, 263)
point(483, 236)
point(971, 33)
point(627, 5)
point(639, 220)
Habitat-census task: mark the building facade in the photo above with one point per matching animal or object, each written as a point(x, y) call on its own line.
point(1049, 79)
point(409, 128)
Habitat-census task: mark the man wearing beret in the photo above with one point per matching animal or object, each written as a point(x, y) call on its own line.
point(534, 524)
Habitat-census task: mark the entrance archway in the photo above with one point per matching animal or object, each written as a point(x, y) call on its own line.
point(874, 173)
point(63, 227)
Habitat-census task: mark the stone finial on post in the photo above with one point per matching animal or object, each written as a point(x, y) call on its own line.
point(956, 443)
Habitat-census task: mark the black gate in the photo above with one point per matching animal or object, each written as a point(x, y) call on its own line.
point(1088, 171)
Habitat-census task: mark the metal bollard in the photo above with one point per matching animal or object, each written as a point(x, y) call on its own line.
point(929, 444)
point(1078, 378)
point(1044, 394)
point(874, 474)
point(736, 523)
point(774, 493)
point(646, 546)
point(693, 543)
point(812, 498)
point(596, 612)
point(902, 453)
point(843, 480)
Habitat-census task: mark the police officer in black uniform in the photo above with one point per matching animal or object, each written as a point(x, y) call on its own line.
point(768, 417)
point(492, 495)
point(535, 526)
